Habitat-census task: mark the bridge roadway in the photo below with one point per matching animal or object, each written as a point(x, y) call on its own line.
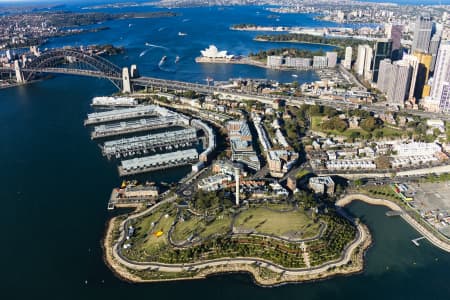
point(203, 88)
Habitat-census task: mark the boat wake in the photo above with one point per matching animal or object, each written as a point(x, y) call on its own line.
point(156, 46)
point(161, 29)
point(143, 52)
point(185, 20)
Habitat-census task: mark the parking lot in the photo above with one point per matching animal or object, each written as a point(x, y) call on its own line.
point(432, 200)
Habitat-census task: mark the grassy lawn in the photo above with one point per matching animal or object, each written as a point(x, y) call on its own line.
point(267, 221)
point(195, 225)
point(316, 123)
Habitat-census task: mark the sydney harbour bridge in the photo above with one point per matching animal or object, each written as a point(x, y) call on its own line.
point(73, 61)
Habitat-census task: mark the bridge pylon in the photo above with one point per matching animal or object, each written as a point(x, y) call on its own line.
point(19, 74)
point(126, 83)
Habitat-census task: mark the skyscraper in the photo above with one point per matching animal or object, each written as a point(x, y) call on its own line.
point(434, 48)
point(348, 58)
point(360, 60)
point(396, 37)
point(422, 33)
point(414, 63)
point(423, 73)
point(384, 78)
point(383, 49)
point(331, 59)
point(400, 83)
point(441, 83)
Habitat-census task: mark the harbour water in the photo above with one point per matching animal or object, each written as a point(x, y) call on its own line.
point(56, 184)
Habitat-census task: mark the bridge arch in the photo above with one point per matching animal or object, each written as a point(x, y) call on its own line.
point(53, 61)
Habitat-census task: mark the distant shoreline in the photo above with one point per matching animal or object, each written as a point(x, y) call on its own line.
point(294, 42)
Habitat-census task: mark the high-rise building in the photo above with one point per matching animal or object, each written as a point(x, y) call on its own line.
point(414, 63)
point(441, 82)
point(383, 49)
point(422, 33)
point(423, 74)
point(400, 83)
point(434, 48)
point(396, 37)
point(331, 59)
point(348, 58)
point(360, 60)
point(384, 77)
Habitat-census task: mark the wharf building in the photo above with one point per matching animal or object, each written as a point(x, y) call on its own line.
point(157, 162)
point(275, 61)
point(114, 101)
point(163, 140)
point(127, 113)
point(139, 125)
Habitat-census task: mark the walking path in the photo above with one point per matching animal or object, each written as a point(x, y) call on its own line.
point(430, 236)
point(346, 264)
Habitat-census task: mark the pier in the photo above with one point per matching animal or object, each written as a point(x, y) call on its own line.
point(132, 126)
point(416, 241)
point(157, 162)
point(126, 113)
point(164, 140)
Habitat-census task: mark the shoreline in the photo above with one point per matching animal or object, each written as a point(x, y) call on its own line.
point(351, 262)
point(249, 62)
point(295, 42)
point(429, 235)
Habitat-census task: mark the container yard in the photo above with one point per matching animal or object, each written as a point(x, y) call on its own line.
point(150, 142)
point(157, 162)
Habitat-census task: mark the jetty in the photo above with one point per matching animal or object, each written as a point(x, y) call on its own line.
point(132, 126)
point(157, 162)
point(163, 140)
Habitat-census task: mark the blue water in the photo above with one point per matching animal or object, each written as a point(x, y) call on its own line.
point(55, 184)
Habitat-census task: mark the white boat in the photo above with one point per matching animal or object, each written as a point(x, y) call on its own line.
point(162, 61)
point(294, 75)
point(177, 59)
point(182, 33)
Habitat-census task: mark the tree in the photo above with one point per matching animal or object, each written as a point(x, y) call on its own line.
point(370, 124)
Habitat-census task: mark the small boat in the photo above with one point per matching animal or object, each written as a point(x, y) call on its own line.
point(182, 33)
point(177, 59)
point(162, 61)
point(294, 75)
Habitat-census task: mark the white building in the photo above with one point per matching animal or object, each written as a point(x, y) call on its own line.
point(274, 61)
point(331, 59)
point(320, 62)
point(212, 52)
point(348, 58)
point(440, 90)
point(416, 149)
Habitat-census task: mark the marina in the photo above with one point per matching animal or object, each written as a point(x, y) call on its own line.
point(157, 162)
point(136, 145)
point(127, 113)
point(132, 126)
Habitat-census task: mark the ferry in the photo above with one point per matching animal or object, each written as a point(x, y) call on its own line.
point(182, 33)
point(177, 59)
point(162, 61)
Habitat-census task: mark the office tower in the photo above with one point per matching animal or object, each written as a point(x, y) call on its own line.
point(8, 55)
point(360, 60)
point(237, 174)
point(331, 59)
point(423, 73)
point(422, 33)
point(396, 37)
point(348, 58)
point(441, 82)
point(414, 63)
point(434, 48)
point(383, 49)
point(384, 78)
point(399, 83)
